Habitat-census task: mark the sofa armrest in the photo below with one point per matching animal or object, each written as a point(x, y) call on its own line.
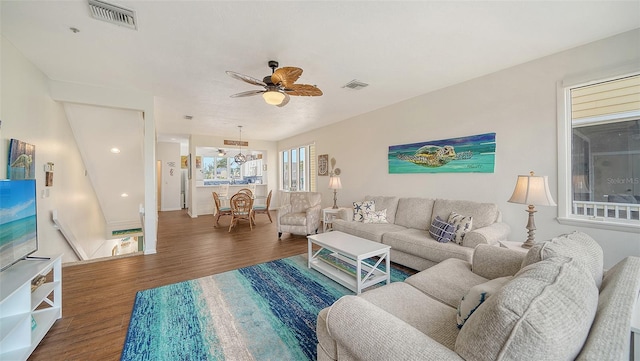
point(351, 319)
point(491, 234)
point(493, 262)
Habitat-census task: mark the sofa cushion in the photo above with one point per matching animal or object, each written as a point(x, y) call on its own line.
point(375, 217)
point(447, 281)
point(441, 231)
point(417, 309)
point(483, 214)
point(461, 225)
point(388, 203)
point(415, 213)
point(419, 243)
point(294, 219)
point(577, 245)
point(476, 296)
point(360, 208)
point(370, 231)
point(545, 313)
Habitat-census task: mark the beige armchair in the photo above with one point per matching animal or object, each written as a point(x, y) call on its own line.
point(300, 213)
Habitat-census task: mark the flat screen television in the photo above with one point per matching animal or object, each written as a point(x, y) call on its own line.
point(18, 223)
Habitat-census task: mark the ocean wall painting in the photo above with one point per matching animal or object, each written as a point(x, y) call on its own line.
point(472, 154)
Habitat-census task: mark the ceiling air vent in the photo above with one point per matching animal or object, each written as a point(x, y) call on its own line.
point(355, 85)
point(113, 14)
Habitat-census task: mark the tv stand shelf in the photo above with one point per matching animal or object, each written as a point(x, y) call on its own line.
point(26, 316)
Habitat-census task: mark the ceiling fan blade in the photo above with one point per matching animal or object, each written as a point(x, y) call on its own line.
point(245, 78)
point(286, 76)
point(303, 90)
point(247, 93)
point(285, 101)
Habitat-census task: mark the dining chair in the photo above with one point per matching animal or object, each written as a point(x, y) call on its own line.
point(219, 211)
point(263, 209)
point(241, 209)
point(246, 191)
point(223, 192)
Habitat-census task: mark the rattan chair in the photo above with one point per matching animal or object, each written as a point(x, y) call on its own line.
point(246, 191)
point(219, 211)
point(241, 209)
point(263, 209)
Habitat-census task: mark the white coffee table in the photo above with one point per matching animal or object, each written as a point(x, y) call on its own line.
point(353, 250)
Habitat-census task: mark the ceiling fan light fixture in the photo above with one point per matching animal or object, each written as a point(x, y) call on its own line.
point(273, 97)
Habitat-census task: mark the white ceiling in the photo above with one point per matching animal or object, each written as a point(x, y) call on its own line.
point(181, 50)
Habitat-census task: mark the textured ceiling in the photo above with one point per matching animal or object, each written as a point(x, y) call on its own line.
point(181, 50)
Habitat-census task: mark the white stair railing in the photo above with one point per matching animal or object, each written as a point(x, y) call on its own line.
point(68, 235)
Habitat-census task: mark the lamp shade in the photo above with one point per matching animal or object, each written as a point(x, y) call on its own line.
point(334, 183)
point(532, 190)
point(273, 97)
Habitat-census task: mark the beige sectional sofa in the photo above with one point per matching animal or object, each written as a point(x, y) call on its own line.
point(552, 303)
point(407, 230)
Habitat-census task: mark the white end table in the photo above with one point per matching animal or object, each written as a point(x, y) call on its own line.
point(514, 245)
point(328, 215)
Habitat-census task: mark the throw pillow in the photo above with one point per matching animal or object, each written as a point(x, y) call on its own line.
point(461, 224)
point(441, 231)
point(476, 296)
point(359, 209)
point(375, 217)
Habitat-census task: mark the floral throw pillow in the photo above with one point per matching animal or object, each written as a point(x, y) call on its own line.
point(360, 208)
point(441, 231)
point(461, 225)
point(375, 217)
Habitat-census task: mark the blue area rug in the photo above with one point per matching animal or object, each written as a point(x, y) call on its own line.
point(262, 312)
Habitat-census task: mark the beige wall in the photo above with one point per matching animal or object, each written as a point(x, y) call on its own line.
point(518, 104)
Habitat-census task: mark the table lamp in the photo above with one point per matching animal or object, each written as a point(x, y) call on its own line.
point(534, 191)
point(334, 183)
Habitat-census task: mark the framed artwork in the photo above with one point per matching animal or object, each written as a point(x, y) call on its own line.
point(323, 164)
point(472, 154)
point(22, 160)
point(183, 162)
point(198, 161)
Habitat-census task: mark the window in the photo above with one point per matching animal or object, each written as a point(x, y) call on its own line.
point(600, 175)
point(298, 169)
point(215, 167)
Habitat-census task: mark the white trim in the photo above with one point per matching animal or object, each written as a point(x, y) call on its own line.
point(606, 119)
point(599, 223)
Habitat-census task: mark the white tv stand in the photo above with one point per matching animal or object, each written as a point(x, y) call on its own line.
point(19, 306)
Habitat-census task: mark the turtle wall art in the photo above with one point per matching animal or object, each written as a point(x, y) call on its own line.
point(472, 154)
point(22, 160)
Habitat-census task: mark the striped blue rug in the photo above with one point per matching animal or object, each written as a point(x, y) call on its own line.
point(262, 312)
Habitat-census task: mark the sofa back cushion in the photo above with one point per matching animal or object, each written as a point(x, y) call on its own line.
point(388, 203)
point(415, 213)
point(300, 201)
point(577, 245)
point(544, 313)
point(609, 335)
point(484, 214)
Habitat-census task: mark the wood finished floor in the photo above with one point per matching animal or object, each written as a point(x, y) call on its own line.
point(97, 298)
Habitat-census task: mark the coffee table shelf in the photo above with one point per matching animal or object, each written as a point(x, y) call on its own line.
point(354, 251)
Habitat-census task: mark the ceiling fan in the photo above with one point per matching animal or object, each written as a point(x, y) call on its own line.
point(278, 86)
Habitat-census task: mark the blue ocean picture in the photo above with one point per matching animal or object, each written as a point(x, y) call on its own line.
point(17, 214)
point(471, 154)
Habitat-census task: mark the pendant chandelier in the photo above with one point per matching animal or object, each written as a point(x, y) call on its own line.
point(240, 159)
